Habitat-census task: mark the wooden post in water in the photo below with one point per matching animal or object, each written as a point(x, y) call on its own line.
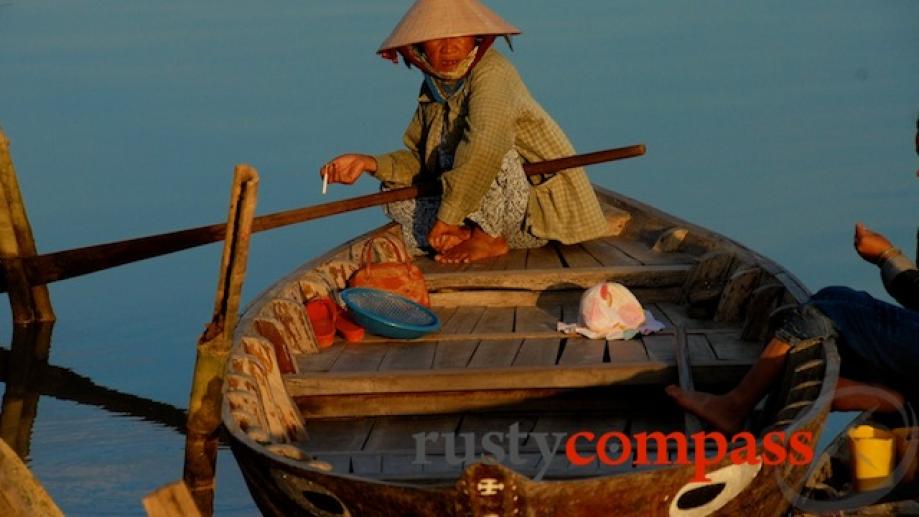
point(214, 345)
point(29, 303)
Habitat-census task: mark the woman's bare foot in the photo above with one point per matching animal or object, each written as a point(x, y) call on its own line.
point(444, 236)
point(450, 241)
point(477, 247)
point(718, 410)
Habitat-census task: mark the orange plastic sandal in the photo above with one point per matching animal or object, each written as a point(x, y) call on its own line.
point(351, 331)
point(322, 313)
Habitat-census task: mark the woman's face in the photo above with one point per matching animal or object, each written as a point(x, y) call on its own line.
point(444, 54)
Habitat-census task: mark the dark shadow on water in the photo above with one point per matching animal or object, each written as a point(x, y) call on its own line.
point(25, 370)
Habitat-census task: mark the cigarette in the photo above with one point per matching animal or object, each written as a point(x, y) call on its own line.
point(325, 183)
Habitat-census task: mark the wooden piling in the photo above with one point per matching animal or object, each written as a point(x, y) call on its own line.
point(214, 344)
point(29, 303)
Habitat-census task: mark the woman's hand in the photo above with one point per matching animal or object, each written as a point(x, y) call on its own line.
point(444, 236)
point(347, 168)
point(870, 245)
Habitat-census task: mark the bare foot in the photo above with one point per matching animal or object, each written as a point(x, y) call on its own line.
point(449, 241)
point(477, 247)
point(718, 410)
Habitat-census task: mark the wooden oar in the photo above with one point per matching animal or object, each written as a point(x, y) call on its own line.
point(60, 265)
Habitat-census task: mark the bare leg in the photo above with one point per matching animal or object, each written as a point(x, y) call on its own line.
point(477, 247)
point(727, 412)
point(878, 398)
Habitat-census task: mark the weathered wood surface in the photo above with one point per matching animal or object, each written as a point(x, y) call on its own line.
point(29, 300)
point(515, 377)
point(557, 278)
point(736, 294)
point(21, 495)
point(173, 500)
point(214, 345)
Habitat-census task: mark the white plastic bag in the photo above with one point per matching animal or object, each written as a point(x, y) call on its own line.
point(609, 310)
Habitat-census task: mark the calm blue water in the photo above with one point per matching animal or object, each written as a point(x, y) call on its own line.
point(779, 124)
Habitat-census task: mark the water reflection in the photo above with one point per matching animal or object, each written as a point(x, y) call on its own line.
point(25, 370)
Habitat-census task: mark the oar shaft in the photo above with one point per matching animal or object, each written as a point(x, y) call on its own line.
point(60, 265)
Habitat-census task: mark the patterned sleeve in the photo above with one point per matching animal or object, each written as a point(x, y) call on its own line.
point(901, 278)
point(401, 167)
point(488, 136)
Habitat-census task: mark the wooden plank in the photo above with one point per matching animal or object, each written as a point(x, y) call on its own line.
point(555, 279)
point(660, 348)
point(658, 314)
point(464, 319)
point(337, 435)
point(359, 357)
point(21, 494)
point(481, 423)
point(644, 254)
point(171, 500)
point(537, 318)
point(575, 256)
point(494, 352)
point(676, 313)
point(583, 351)
point(699, 348)
point(567, 424)
point(627, 351)
point(408, 356)
point(515, 298)
point(544, 257)
point(396, 433)
point(607, 254)
point(367, 464)
point(535, 352)
point(730, 346)
point(320, 361)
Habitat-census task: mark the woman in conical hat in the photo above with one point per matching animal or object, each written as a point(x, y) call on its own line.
point(476, 123)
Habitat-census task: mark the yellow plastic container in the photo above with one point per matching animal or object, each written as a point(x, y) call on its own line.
point(873, 454)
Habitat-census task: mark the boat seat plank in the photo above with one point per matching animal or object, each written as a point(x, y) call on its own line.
point(395, 433)
point(544, 257)
point(473, 353)
point(359, 357)
point(408, 356)
point(555, 279)
point(537, 318)
point(337, 435)
point(576, 256)
point(463, 320)
point(583, 351)
point(607, 254)
point(521, 375)
point(320, 361)
point(627, 351)
point(537, 352)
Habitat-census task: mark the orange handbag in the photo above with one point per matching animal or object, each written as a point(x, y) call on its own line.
point(400, 277)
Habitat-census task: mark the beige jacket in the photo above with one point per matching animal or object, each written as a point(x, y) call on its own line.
point(493, 113)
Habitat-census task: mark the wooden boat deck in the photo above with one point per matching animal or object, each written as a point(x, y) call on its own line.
point(498, 360)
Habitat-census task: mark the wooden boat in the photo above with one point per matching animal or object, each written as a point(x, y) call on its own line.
point(336, 431)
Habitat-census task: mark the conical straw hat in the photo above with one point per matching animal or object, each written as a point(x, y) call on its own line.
point(434, 19)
